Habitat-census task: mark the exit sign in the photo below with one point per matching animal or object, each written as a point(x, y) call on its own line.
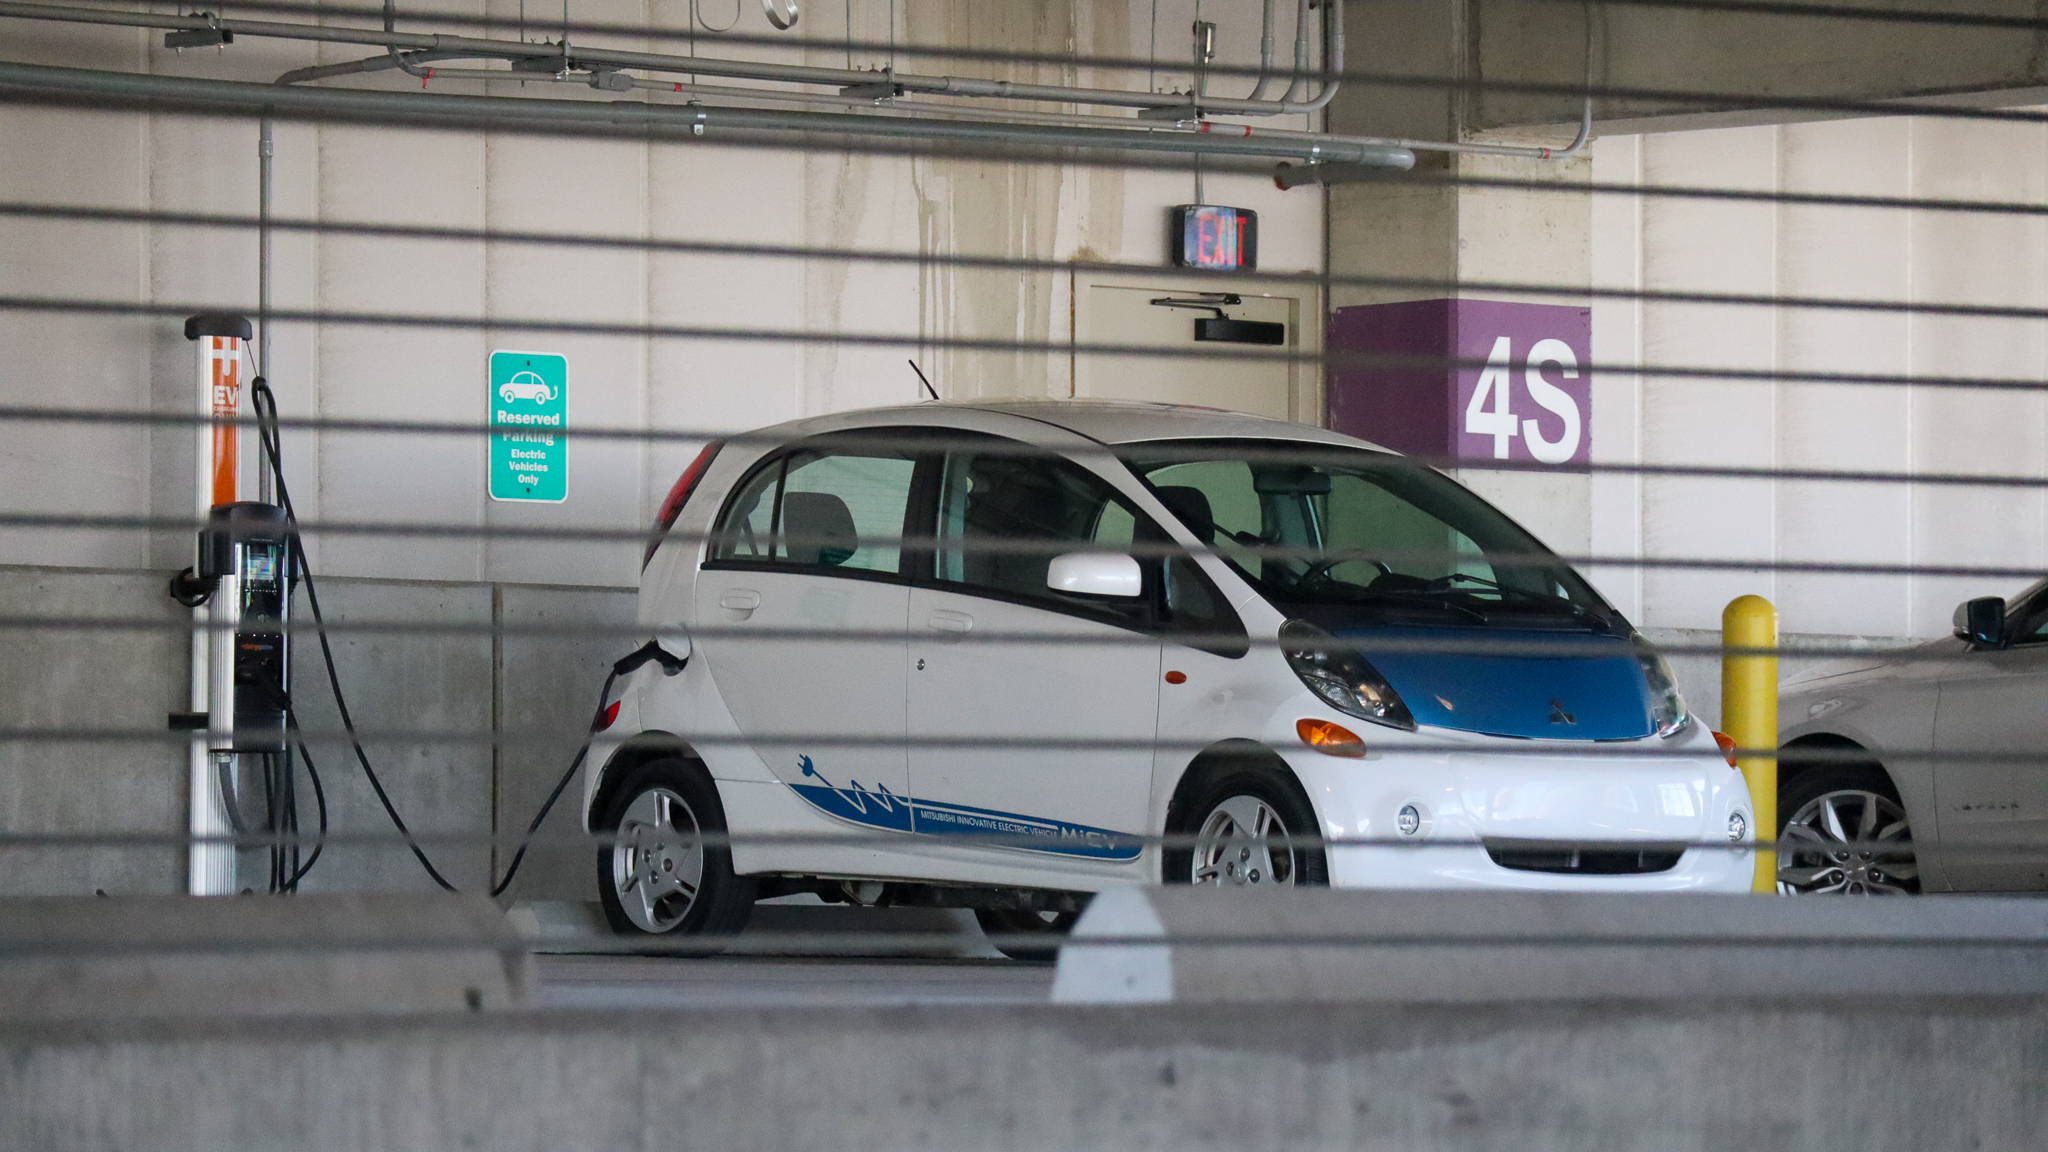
point(1214, 237)
point(529, 405)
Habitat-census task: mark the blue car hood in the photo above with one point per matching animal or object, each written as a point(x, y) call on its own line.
point(1580, 688)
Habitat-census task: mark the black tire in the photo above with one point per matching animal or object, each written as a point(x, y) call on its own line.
point(1867, 804)
point(1203, 798)
point(717, 904)
point(1012, 922)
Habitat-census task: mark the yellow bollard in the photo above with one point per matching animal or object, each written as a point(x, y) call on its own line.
point(1749, 715)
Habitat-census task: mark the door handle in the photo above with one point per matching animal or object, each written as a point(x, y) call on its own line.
point(740, 602)
point(955, 622)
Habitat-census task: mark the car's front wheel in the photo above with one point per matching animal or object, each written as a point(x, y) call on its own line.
point(658, 876)
point(1843, 831)
point(1247, 825)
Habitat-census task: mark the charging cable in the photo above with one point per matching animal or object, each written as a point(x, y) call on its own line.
point(265, 403)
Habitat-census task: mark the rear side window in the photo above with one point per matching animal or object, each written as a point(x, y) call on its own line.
point(815, 509)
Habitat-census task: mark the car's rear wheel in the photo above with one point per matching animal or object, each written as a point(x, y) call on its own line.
point(659, 877)
point(1246, 823)
point(1018, 932)
point(1843, 831)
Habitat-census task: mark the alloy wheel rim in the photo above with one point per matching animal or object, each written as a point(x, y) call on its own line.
point(1848, 842)
point(1235, 846)
point(658, 860)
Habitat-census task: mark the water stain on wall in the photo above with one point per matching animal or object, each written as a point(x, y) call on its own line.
point(948, 206)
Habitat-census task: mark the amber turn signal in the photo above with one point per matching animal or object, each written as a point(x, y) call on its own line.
point(1334, 739)
point(1727, 744)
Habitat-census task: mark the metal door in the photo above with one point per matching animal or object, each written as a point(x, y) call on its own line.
point(1198, 374)
point(1993, 808)
point(1032, 712)
point(804, 602)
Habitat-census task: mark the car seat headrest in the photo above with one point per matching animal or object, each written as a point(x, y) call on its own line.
point(1191, 505)
point(817, 528)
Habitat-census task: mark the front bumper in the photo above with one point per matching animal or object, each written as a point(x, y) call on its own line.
point(1487, 817)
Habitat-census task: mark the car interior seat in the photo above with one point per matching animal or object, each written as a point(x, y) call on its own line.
point(1191, 507)
point(817, 528)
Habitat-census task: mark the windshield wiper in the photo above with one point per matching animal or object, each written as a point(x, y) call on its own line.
point(1344, 591)
point(1444, 584)
point(1425, 598)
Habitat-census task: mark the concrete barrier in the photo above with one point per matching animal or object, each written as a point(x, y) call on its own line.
point(171, 957)
point(1185, 945)
point(791, 926)
point(1608, 1065)
point(1869, 1074)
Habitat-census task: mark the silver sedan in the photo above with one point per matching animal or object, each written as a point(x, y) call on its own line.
point(1924, 770)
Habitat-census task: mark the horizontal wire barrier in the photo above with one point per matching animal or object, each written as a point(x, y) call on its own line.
point(1095, 130)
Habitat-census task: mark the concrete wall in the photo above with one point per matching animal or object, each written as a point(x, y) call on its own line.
point(413, 657)
point(1796, 250)
point(340, 172)
point(1857, 1074)
point(468, 681)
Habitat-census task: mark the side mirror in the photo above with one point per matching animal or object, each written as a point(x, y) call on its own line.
point(1095, 574)
point(1981, 621)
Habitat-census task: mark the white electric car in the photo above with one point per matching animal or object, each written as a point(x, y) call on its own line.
point(990, 655)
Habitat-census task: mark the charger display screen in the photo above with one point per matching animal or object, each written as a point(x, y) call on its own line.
point(262, 564)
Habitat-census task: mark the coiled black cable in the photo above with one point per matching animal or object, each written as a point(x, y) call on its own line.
point(264, 401)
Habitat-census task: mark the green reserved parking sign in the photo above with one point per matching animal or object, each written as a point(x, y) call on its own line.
point(529, 403)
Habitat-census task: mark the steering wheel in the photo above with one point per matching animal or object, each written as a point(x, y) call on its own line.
point(1319, 571)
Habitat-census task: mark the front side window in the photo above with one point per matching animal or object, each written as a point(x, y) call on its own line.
point(1321, 526)
point(816, 508)
point(2027, 618)
point(1004, 517)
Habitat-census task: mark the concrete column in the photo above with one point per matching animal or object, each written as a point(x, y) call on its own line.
point(1462, 237)
point(1451, 236)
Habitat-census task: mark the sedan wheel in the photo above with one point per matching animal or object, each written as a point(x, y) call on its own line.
point(1234, 847)
point(1848, 841)
point(658, 860)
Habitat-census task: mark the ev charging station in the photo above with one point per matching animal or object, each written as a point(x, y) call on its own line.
point(240, 591)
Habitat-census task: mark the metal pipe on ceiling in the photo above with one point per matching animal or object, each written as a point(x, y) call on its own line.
point(1265, 52)
point(481, 48)
point(1299, 76)
point(411, 51)
point(900, 108)
point(1301, 175)
point(695, 120)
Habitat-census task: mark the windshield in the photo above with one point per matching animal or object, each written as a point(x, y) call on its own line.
point(1326, 527)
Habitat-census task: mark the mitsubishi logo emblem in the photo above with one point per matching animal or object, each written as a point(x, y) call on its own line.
point(1559, 716)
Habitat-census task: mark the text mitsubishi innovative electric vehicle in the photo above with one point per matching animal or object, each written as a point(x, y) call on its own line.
point(991, 655)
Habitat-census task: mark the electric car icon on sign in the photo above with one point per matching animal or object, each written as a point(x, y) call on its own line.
point(526, 386)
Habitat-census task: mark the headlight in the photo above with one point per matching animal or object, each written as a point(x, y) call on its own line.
point(1341, 677)
point(1667, 707)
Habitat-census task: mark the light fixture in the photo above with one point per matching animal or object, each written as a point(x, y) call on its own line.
point(1327, 737)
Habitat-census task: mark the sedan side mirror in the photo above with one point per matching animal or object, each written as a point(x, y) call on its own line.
point(1095, 574)
point(1981, 621)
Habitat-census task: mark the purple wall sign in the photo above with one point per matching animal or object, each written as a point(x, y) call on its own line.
point(1521, 396)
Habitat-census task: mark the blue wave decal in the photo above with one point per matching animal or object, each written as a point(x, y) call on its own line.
point(881, 808)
